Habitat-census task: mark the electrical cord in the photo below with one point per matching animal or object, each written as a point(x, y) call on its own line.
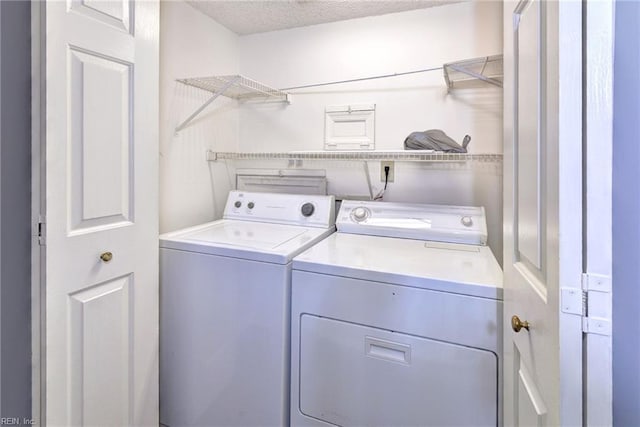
point(386, 176)
point(380, 195)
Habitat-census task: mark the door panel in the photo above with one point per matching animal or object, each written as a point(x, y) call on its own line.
point(543, 211)
point(529, 48)
point(530, 409)
point(100, 338)
point(111, 12)
point(101, 316)
point(101, 143)
point(113, 9)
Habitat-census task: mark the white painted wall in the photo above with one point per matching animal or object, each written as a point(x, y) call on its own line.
point(373, 46)
point(15, 201)
point(384, 45)
point(193, 45)
point(626, 209)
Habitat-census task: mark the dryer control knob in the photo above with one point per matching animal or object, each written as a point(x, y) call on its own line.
point(359, 214)
point(307, 209)
point(466, 221)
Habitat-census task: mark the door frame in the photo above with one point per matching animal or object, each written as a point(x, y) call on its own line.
point(598, 47)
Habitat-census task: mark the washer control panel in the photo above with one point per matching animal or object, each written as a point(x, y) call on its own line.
point(442, 223)
point(294, 209)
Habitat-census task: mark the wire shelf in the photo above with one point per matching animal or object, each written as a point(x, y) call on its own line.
point(409, 155)
point(474, 72)
point(236, 87)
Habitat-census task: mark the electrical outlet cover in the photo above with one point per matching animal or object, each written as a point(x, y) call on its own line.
point(391, 170)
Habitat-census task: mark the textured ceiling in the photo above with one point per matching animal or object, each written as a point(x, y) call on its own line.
point(250, 16)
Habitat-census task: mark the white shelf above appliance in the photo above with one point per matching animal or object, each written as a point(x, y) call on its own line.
point(233, 86)
point(475, 72)
point(399, 155)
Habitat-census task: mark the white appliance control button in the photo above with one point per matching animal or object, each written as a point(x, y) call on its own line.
point(250, 205)
point(360, 214)
point(466, 221)
point(237, 204)
point(307, 209)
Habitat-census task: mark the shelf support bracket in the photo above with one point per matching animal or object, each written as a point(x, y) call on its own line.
point(212, 156)
point(207, 103)
point(476, 75)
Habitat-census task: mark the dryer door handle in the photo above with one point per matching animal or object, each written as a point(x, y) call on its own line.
point(387, 350)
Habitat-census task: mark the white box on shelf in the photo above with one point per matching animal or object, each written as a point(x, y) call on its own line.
point(350, 127)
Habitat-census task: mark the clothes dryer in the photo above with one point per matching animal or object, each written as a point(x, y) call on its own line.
point(225, 310)
point(396, 320)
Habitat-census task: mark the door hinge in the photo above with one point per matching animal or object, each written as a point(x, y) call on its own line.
point(597, 311)
point(573, 301)
point(42, 224)
point(592, 303)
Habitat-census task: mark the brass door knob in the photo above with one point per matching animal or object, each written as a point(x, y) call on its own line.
point(517, 324)
point(106, 257)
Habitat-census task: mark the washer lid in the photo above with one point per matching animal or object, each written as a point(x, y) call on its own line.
point(245, 239)
point(443, 223)
point(448, 267)
point(245, 234)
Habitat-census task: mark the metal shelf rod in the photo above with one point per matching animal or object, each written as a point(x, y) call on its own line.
point(361, 79)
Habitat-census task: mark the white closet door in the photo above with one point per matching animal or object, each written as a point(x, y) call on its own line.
point(101, 276)
point(543, 212)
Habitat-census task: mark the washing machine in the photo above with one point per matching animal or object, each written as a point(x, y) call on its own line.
point(396, 320)
point(225, 310)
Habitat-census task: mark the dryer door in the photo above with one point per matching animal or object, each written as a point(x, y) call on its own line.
point(356, 375)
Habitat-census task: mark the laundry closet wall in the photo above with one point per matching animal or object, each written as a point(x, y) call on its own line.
point(193, 45)
point(380, 45)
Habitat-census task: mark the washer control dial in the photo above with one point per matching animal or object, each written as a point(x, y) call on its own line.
point(466, 221)
point(237, 204)
point(307, 209)
point(360, 213)
point(250, 205)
